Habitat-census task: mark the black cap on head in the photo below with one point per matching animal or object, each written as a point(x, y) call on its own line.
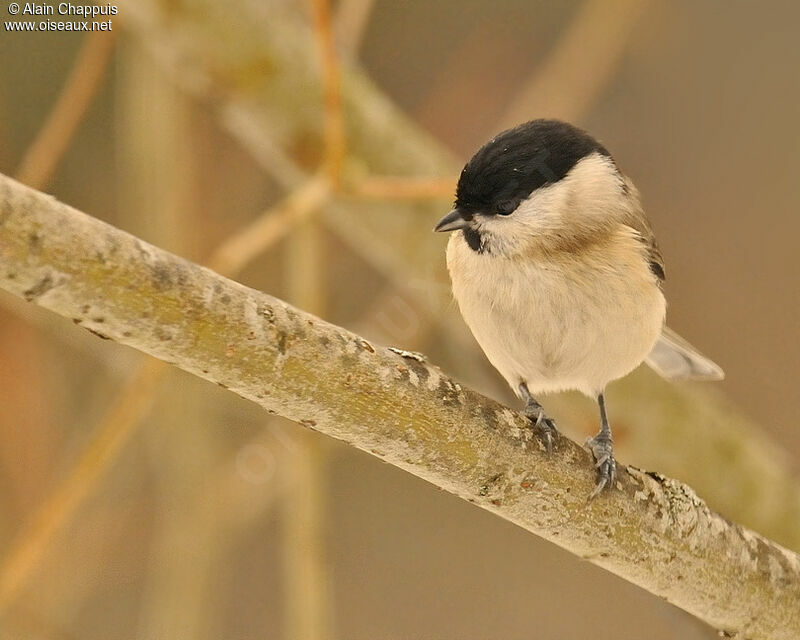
point(508, 168)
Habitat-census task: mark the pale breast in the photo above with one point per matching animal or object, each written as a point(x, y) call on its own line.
point(557, 321)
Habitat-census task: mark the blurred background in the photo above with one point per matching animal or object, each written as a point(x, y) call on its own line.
point(139, 502)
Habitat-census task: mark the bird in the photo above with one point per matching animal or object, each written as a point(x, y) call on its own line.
point(556, 271)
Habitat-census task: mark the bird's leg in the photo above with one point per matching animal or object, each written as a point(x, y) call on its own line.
point(602, 448)
point(535, 413)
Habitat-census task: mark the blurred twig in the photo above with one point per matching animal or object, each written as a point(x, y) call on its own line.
point(331, 84)
point(54, 137)
point(59, 507)
point(581, 64)
point(81, 86)
point(650, 530)
point(308, 608)
point(242, 247)
point(308, 611)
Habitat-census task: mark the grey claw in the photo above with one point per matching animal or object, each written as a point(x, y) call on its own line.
point(544, 425)
point(547, 436)
point(602, 448)
point(598, 488)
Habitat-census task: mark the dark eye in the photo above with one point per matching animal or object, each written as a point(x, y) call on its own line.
point(507, 207)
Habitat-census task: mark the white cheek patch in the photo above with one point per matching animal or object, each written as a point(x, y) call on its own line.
point(591, 190)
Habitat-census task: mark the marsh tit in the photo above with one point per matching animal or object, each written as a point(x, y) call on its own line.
point(558, 275)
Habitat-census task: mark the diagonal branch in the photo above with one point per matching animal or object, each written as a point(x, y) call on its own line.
point(651, 531)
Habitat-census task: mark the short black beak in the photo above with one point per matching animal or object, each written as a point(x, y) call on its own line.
point(452, 222)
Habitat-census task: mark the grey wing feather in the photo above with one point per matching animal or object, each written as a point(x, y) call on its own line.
point(674, 358)
point(637, 220)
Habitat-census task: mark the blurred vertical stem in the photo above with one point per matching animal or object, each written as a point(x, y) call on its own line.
point(567, 84)
point(157, 143)
point(308, 615)
point(333, 126)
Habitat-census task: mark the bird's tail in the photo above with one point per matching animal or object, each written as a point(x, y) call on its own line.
point(674, 358)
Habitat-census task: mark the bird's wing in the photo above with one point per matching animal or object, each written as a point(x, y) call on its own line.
point(672, 357)
point(675, 359)
point(654, 256)
point(637, 220)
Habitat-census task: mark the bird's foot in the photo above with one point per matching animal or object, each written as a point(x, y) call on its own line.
point(546, 427)
point(602, 448)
